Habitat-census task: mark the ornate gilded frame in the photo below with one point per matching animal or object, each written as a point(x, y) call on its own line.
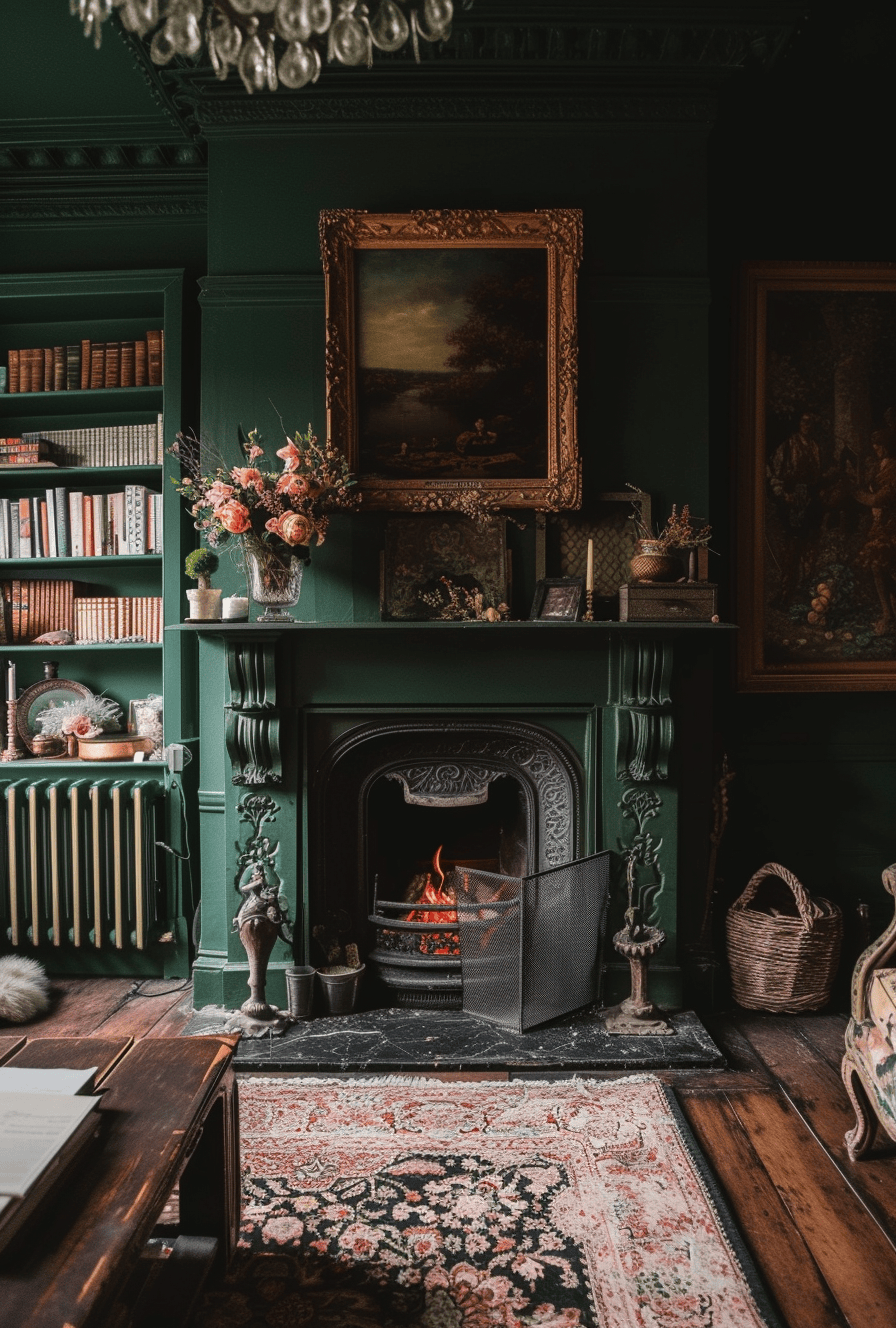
point(557, 231)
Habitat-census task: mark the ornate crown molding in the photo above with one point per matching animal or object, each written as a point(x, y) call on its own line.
point(542, 63)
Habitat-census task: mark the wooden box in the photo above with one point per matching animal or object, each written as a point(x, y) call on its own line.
point(659, 601)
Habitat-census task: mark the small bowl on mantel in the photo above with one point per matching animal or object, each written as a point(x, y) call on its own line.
point(113, 747)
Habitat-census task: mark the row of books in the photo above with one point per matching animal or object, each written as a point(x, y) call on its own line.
point(88, 364)
point(112, 445)
point(35, 607)
point(105, 618)
point(70, 524)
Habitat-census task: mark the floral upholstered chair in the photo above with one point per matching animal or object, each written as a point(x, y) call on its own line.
point(869, 1065)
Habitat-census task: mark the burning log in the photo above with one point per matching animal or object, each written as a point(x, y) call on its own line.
point(424, 891)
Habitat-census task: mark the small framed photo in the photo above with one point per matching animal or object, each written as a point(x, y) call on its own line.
point(558, 599)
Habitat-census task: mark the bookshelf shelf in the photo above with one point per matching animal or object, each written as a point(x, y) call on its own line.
point(38, 476)
point(83, 426)
point(87, 400)
point(97, 560)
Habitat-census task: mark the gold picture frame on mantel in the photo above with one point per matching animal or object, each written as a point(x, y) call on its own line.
point(451, 356)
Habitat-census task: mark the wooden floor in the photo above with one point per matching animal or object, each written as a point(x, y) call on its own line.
point(821, 1229)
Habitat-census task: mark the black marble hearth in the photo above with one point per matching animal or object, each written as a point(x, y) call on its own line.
point(398, 1040)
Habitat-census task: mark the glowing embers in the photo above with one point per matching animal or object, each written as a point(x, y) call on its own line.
point(438, 902)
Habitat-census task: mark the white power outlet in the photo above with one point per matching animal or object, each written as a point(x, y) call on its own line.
point(175, 754)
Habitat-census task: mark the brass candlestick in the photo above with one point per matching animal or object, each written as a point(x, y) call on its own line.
point(12, 751)
point(588, 615)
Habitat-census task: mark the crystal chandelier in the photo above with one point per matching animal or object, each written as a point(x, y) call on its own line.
point(271, 41)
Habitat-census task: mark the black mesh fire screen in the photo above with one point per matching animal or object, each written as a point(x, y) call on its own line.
point(530, 946)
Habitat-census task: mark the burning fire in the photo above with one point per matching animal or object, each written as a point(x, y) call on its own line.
point(447, 943)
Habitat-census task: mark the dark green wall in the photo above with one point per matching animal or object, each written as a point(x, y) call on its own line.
point(796, 171)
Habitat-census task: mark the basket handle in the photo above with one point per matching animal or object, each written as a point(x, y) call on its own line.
point(809, 912)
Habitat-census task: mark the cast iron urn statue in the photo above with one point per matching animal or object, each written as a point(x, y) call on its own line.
point(637, 942)
point(261, 921)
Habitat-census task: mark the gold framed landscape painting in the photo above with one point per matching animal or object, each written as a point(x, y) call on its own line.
point(816, 579)
point(451, 356)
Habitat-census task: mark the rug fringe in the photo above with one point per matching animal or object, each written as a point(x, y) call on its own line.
point(424, 1081)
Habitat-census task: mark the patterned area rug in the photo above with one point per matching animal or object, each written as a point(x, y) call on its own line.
point(393, 1203)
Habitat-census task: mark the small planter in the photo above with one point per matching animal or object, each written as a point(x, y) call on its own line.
point(651, 562)
point(205, 605)
point(339, 986)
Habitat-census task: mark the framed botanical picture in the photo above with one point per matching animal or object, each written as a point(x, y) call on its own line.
point(451, 356)
point(816, 578)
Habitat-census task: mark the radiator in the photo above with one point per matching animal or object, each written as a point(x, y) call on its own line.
point(81, 862)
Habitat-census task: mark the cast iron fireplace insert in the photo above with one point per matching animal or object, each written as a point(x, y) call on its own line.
point(397, 805)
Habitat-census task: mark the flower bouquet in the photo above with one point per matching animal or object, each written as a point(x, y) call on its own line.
point(275, 514)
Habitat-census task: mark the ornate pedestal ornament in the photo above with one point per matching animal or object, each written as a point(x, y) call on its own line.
point(12, 751)
point(262, 919)
point(637, 942)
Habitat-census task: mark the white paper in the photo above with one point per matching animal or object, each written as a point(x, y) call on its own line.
point(14, 1079)
point(33, 1128)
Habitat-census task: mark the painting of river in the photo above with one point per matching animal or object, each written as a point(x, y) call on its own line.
point(452, 365)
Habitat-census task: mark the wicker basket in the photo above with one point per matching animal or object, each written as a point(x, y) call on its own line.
point(781, 962)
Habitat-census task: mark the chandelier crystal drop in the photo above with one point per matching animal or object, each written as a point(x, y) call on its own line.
point(272, 41)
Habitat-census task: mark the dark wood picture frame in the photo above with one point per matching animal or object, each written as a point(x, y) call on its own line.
point(423, 393)
point(558, 599)
point(816, 542)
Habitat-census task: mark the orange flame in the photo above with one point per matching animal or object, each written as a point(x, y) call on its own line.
point(446, 942)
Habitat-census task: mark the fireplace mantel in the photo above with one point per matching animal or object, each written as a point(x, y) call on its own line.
point(618, 693)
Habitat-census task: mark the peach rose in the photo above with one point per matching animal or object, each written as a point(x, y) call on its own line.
point(291, 527)
point(247, 477)
point(255, 451)
point(81, 727)
point(295, 485)
point(234, 517)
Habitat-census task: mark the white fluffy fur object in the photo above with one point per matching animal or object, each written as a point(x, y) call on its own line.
point(24, 989)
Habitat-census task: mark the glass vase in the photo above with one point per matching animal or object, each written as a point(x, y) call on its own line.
point(275, 581)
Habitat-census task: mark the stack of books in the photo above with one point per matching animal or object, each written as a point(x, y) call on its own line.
point(35, 607)
point(107, 618)
point(88, 364)
point(19, 452)
point(48, 1121)
point(69, 524)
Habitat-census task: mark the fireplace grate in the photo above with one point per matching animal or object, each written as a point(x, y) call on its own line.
point(531, 946)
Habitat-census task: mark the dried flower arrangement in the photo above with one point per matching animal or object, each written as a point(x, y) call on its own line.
point(462, 605)
point(87, 717)
point(470, 501)
point(284, 510)
point(679, 532)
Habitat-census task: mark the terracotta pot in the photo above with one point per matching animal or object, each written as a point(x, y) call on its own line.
point(651, 562)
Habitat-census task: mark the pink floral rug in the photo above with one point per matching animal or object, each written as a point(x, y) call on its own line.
point(408, 1202)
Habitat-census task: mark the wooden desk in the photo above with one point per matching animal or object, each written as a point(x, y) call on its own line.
point(169, 1111)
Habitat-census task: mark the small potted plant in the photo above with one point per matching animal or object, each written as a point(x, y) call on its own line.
point(205, 601)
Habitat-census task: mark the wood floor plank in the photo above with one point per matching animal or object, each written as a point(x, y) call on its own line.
point(144, 1008)
point(780, 1253)
point(79, 1006)
point(73, 1054)
point(737, 1050)
point(177, 1015)
point(817, 1092)
point(853, 1254)
point(827, 1034)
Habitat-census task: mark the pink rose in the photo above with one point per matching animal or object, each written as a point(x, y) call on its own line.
point(247, 477)
point(234, 517)
point(218, 493)
point(291, 527)
point(255, 451)
point(81, 727)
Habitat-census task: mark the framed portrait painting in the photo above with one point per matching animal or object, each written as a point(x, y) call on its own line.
point(816, 581)
point(451, 356)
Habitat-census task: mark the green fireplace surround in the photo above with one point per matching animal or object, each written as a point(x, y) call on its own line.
point(628, 703)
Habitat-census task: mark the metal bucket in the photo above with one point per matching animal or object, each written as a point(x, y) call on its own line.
point(339, 985)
